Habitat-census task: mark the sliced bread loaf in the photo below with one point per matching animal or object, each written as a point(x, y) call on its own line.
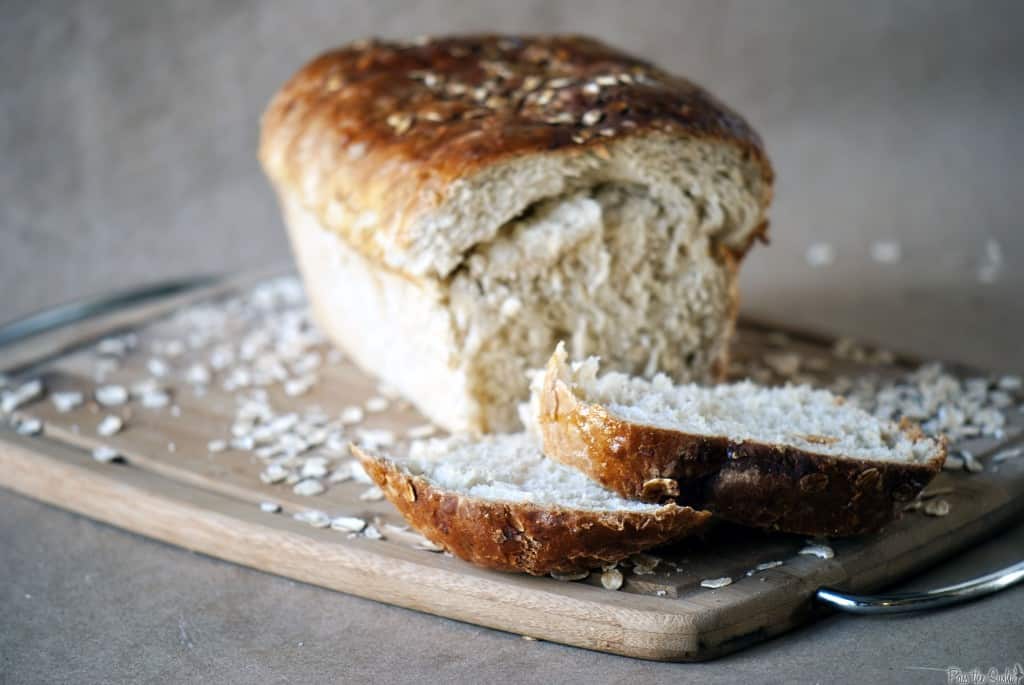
point(499, 503)
point(459, 204)
point(791, 458)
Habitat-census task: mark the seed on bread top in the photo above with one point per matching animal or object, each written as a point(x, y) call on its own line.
point(464, 100)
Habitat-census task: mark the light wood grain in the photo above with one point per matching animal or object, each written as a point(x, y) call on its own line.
point(207, 502)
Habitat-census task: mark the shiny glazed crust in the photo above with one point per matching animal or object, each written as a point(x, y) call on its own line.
point(519, 536)
point(374, 136)
point(768, 486)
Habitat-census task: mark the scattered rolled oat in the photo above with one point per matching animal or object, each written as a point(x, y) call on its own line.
point(351, 524)
point(217, 445)
point(341, 474)
point(886, 252)
point(818, 550)
point(111, 395)
point(569, 577)
point(1007, 454)
point(350, 415)
point(314, 467)
point(313, 517)
point(309, 487)
point(820, 254)
point(611, 579)
point(377, 404)
point(372, 494)
point(274, 473)
point(359, 474)
point(375, 438)
point(105, 454)
point(939, 401)
point(786, 364)
point(991, 263)
point(644, 564)
point(114, 347)
point(158, 367)
point(953, 463)
point(110, 425)
point(764, 566)
point(21, 395)
point(936, 507)
point(971, 463)
point(936, 492)
point(714, 583)
point(270, 507)
point(67, 400)
point(197, 374)
point(420, 432)
point(428, 545)
point(156, 400)
point(28, 426)
point(104, 367)
point(1010, 383)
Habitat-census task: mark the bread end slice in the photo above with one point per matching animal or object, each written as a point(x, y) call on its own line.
point(772, 485)
point(522, 536)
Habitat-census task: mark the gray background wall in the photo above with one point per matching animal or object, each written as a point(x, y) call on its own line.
point(128, 134)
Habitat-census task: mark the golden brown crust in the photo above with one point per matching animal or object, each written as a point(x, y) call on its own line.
point(383, 129)
point(768, 486)
point(519, 536)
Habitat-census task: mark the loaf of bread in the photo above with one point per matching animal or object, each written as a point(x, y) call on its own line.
point(499, 503)
point(792, 458)
point(459, 205)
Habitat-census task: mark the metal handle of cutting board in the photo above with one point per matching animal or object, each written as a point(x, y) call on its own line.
point(64, 315)
point(80, 310)
point(922, 601)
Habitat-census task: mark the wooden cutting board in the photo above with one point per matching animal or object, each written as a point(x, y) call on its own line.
point(173, 488)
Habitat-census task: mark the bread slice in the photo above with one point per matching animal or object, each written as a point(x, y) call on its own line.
point(499, 503)
point(458, 205)
point(792, 458)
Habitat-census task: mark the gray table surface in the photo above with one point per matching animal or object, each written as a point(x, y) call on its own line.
point(127, 136)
